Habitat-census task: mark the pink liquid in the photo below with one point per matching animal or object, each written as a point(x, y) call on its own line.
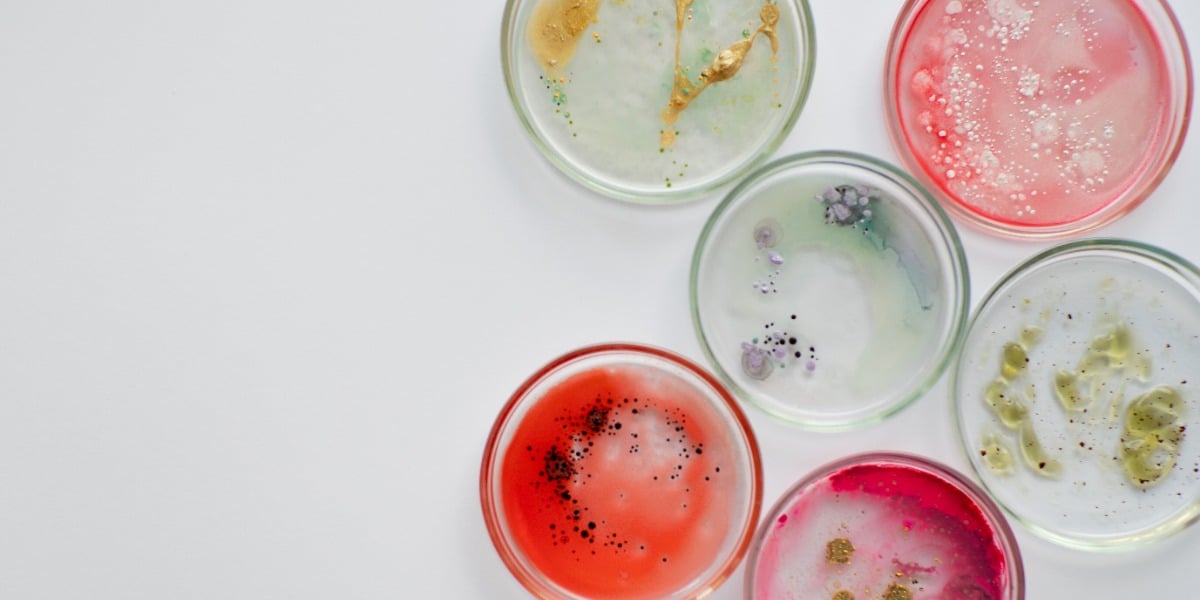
point(1033, 113)
point(623, 481)
point(909, 528)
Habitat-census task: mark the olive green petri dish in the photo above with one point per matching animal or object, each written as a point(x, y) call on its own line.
point(829, 290)
point(655, 102)
point(1038, 120)
point(1077, 390)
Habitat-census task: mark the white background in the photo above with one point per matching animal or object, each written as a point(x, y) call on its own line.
point(268, 270)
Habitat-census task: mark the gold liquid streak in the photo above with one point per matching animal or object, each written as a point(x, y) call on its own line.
point(556, 28)
point(725, 65)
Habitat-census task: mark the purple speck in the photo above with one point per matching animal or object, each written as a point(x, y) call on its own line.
point(775, 257)
point(811, 366)
point(756, 363)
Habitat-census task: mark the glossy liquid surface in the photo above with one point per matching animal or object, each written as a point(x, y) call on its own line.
point(1033, 113)
point(625, 481)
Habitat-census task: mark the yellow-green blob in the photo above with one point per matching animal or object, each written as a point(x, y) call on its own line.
point(896, 591)
point(1005, 404)
point(1152, 435)
point(556, 28)
point(1035, 456)
point(1068, 392)
point(843, 595)
point(996, 455)
point(1030, 336)
point(839, 551)
point(1015, 359)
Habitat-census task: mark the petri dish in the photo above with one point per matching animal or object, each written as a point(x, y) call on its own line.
point(1038, 119)
point(1075, 390)
point(884, 525)
point(621, 471)
point(653, 102)
point(829, 290)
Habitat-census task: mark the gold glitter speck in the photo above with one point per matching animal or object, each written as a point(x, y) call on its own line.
point(896, 591)
point(839, 551)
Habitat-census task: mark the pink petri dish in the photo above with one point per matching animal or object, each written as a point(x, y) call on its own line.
point(621, 471)
point(1038, 118)
point(884, 526)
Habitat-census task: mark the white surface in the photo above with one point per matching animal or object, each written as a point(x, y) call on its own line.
point(269, 269)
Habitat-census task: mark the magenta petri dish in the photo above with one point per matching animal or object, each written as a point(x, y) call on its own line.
point(1038, 119)
point(888, 526)
point(621, 471)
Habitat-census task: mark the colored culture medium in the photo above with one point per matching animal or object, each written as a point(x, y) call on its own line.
point(653, 101)
point(884, 526)
point(829, 290)
point(1075, 394)
point(621, 472)
point(1038, 118)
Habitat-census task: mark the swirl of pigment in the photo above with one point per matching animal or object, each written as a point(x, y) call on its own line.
point(725, 65)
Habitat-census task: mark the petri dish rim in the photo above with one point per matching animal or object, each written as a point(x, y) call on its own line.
point(973, 491)
point(808, 47)
point(1168, 32)
point(950, 241)
point(1173, 263)
point(526, 574)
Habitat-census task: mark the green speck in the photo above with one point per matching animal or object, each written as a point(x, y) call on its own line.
point(745, 33)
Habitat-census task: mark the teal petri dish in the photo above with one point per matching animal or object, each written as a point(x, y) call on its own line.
point(657, 102)
point(829, 290)
point(1076, 391)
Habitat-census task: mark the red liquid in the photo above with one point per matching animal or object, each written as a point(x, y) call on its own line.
point(1033, 113)
point(624, 481)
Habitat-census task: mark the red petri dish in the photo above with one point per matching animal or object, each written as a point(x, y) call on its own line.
point(1038, 118)
point(621, 471)
point(884, 526)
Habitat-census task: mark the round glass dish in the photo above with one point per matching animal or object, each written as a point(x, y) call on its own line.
point(621, 471)
point(829, 290)
point(650, 102)
point(884, 526)
point(1075, 391)
point(1038, 119)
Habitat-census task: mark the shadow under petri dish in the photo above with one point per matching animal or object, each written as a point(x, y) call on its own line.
point(657, 101)
point(887, 526)
point(1076, 390)
point(829, 290)
point(621, 471)
point(1038, 119)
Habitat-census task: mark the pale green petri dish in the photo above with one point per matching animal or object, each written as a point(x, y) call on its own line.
point(829, 290)
point(657, 102)
point(1077, 384)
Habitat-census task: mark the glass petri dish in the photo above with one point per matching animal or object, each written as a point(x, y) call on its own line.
point(829, 290)
point(1075, 388)
point(884, 526)
point(1038, 119)
point(654, 103)
point(621, 471)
